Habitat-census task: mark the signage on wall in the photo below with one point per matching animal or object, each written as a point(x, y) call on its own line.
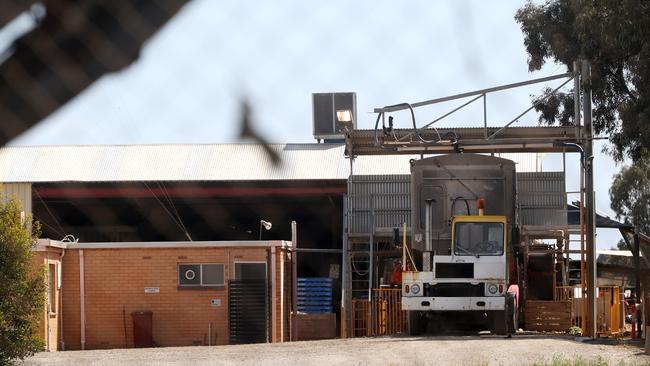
point(215, 303)
point(151, 290)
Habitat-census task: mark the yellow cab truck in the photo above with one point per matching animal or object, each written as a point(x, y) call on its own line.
point(463, 256)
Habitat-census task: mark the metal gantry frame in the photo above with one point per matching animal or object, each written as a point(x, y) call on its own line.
point(430, 140)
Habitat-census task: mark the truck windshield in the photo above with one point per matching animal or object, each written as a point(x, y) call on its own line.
point(478, 238)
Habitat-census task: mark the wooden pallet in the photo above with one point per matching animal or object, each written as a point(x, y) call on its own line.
point(314, 326)
point(548, 316)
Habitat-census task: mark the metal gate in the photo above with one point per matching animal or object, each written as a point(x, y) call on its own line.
point(248, 311)
point(381, 316)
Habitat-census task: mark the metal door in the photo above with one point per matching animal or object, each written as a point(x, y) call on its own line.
point(248, 304)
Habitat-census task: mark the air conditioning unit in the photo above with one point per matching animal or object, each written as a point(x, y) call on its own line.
point(332, 113)
point(189, 274)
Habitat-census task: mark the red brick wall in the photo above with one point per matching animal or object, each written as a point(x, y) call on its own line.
point(114, 284)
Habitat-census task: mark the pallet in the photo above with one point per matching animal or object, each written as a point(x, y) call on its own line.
point(314, 326)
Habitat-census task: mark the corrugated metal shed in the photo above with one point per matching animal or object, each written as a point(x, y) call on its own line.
point(542, 199)
point(198, 162)
point(22, 192)
point(379, 201)
point(229, 162)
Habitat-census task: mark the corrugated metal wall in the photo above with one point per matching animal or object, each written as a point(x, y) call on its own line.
point(22, 191)
point(386, 197)
point(542, 199)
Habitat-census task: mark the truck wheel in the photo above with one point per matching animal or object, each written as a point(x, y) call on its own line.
point(416, 323)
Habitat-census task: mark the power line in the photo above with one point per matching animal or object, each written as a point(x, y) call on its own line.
point(173, 206)
point(62, 232)
point(168, 212)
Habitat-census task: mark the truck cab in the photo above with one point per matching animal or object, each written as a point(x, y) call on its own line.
point(472, 278)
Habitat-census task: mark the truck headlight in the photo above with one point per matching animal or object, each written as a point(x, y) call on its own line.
point(492, 289)
point(415, 289)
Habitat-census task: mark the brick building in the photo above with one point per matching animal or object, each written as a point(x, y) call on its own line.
point(96, 287)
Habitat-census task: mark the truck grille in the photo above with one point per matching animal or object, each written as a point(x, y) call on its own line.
point(454, 270)
point(454, 290)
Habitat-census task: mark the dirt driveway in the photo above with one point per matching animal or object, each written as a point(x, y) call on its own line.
point(462, 350)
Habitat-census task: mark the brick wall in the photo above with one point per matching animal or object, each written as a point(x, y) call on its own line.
point(114, 285)
point(48, 327)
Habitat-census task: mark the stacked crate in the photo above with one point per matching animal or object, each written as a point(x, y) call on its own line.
point(314, 295)
point(314, 318)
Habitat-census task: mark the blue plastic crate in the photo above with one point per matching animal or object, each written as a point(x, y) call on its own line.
point(314, 295)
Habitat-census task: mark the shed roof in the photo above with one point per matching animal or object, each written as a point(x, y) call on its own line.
point(196, 162)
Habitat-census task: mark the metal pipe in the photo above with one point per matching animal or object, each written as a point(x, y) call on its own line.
point(529, 109)
point(82, 300)
point(403, 246)
point(442, 117)
point(590, 206)
point(318, 250)
point(576, 98)
point(294, 280)
point(583, 280)
point(371, 262)
point(472, 93)
point(427, 225)
point(344, 267)
point(637, 281)
point(60, 283)
point(274, 298)
point(282, 260)
point(485, 135)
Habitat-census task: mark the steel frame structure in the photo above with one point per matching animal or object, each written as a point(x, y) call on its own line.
point(430, 140)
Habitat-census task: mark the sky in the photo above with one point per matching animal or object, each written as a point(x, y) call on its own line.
point(188, 82)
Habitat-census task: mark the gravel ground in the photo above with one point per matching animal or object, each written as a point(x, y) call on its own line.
point(460, 350)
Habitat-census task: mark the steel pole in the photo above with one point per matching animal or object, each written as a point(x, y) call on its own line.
point(590, 206)
point(371, 254)
point(637, 283)
point(344, 268)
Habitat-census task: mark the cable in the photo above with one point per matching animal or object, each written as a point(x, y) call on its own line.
point(416, 131)
point(168, 212)
point(62, 232)
point(48, 225)
point(355, 270)
point(70, 239)
point(453, 203)
point(171, 203)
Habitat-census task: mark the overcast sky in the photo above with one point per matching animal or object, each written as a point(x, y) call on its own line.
point(187, 83)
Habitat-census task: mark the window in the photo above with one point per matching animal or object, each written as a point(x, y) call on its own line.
point(478, 238)
point(51, 294)
point(201, 275)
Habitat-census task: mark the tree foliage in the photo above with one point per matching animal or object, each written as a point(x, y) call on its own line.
point(630, 194)
point(22, 292)
point(615, 37)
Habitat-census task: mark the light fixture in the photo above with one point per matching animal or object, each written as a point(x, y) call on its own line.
point(344, 115)
point(266, 225)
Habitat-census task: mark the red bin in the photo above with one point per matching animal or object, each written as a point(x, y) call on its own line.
point(142, 329)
